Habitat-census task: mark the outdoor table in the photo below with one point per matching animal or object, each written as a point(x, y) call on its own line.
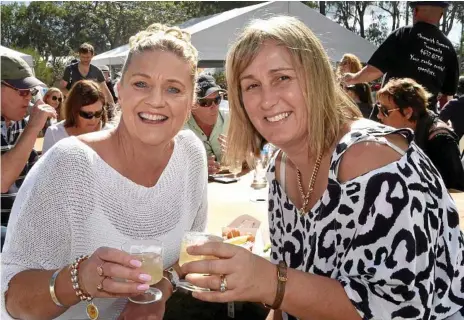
point(38, 145)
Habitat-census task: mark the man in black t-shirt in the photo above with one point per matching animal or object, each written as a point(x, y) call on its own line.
point(421, 52)
point(84, 70)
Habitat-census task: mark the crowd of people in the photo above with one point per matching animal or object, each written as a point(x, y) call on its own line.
point(362, 225)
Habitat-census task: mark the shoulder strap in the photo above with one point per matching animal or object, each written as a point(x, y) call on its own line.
point(283, 166)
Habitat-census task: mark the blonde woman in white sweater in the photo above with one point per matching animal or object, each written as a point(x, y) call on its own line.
point(90, 194)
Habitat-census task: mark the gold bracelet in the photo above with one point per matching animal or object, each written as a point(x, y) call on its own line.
point(51, 287)
point(92, 310)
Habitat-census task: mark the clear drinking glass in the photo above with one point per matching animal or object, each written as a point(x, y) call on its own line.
point(236, 168)
point(194, 238)
point(150, 253)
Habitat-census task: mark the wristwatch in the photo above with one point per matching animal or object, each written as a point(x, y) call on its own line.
point(173, 277)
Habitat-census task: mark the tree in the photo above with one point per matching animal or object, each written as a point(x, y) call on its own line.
point(451, 14)
point(393, 8)
point(361, 7)
point(322, 7)
point(378, 30)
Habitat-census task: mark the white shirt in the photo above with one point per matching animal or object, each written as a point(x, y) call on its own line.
point(56, 132)
point(72, 202)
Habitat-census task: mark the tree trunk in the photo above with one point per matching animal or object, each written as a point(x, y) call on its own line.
point(322, 7)
point(407, 12)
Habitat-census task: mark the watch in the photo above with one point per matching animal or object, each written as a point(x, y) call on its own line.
point(173, 277)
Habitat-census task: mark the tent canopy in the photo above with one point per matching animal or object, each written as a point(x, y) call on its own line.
point(28, 58)
point(213, 35)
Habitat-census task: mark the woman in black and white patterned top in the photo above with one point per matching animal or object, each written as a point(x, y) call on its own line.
point(357, 213)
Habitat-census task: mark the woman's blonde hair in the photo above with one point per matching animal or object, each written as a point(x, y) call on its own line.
point(353, 62)
point(163, 38)
point(59, 109)
point(329, 107)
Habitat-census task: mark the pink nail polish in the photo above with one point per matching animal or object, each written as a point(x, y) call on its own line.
point(145, 277)
point(143, 287)
point(136, 263)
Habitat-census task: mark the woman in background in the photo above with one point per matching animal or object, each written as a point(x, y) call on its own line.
point(84, 112)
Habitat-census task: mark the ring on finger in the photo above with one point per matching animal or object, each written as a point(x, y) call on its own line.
point(223, 287)
point(100, 270)
point(100, 285)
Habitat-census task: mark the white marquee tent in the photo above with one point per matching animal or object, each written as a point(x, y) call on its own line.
point(213, 35)
point(26, 57)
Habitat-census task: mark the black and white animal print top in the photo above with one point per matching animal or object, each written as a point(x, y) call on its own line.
point(391, 237)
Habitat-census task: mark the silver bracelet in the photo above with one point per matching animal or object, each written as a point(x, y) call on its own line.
point(52, 288)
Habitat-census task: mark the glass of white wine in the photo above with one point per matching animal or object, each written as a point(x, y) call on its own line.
point(150, 253)
point(194, 238)
point(236, 168)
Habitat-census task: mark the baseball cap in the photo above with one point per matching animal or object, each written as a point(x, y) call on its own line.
point(206, 85)
point(104, 68)
point(442, 4)
point(17, 73)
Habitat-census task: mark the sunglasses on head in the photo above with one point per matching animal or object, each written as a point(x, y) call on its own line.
point(54, 98)
point(22, 92)
point(205, 103)
point(384, 110)
point(91, 115)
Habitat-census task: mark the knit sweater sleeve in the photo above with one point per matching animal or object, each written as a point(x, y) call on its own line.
point(39, 232)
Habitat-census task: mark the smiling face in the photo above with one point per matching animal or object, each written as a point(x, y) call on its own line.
point(155, 95)
point(207, 114)
point(273, 98)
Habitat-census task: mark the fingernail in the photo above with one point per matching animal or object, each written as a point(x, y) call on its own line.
point(136, 263)
point(145, 277)
point(143, 287)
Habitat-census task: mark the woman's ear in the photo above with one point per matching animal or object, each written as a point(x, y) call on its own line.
point(408, 113)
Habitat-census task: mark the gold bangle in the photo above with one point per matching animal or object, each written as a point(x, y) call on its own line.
point(51, 287)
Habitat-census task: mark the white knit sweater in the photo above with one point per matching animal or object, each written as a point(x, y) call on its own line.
point(72, 202)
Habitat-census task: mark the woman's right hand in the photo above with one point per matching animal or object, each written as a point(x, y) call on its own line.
point(118, 267)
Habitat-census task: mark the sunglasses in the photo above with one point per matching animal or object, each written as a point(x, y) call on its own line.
point(384, 110)
point(54, 98)
point(22, 92)
point(91, 115)
point(206, 103)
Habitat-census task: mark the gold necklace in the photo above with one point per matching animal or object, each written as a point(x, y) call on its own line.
point(312, 182)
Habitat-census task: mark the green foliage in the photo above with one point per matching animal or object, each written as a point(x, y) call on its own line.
point(41, 70)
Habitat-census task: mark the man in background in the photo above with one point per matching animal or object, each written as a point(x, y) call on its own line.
point(421, 52)
point(18, 132)
point(208, 122)
point(84, 70)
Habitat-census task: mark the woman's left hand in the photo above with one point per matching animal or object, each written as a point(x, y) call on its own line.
point(150, 311)
point(248, 276)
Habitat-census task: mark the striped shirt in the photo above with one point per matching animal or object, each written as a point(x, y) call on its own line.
point(10, 136)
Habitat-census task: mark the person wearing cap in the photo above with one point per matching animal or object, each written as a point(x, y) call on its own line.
point(208, 122)
point(18, 133)
point(84, 70)
point(420, 52)
point(453, 111)
point(109, 83)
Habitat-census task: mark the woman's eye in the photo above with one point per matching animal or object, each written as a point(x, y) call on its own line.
point(140, 84)
point(251, 86)
point(281, 78)
point(173, 90)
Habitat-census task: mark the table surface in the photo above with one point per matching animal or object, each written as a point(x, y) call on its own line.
point(228, 201)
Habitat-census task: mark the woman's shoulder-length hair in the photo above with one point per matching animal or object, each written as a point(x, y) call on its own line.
point(83, 93)
point(329, 107)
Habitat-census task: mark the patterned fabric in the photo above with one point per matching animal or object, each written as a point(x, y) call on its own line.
point(10, 136)
point(391, 237)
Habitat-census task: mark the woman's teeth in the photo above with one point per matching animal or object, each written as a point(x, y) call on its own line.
point(278, 117)
point(152, 117)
